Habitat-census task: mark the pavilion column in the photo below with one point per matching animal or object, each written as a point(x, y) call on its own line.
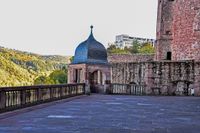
point(99, 77)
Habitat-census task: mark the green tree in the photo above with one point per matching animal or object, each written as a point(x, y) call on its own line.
point(135, 47)
point(58, 77)
point(112, 49)
point(71, 59)
point(119, 51)
point(147, 48)
point(43, 80)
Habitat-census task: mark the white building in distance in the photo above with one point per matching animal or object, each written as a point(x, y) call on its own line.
point(123, 41)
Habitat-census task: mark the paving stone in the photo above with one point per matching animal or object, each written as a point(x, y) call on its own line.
point(110, 114)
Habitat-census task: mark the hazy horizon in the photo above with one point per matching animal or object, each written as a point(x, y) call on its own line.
point(56, 27)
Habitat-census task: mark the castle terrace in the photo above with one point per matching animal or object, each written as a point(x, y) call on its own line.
point(110, 114)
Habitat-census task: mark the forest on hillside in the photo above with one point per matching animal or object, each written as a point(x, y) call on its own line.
point(136, 48)
point(18, 68)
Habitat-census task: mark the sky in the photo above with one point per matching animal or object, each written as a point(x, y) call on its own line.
point(56, 27)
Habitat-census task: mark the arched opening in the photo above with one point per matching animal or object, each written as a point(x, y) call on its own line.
point(96, 81)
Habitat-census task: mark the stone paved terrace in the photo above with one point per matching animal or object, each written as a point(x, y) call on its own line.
point(110, 114)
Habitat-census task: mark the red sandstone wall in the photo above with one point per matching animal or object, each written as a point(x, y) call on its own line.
point(117, 58)
point(186, 30)
point(178, 29)
point(164, 29)
point(170, 77)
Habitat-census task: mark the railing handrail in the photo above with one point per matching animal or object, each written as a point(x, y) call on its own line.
point(17, 88)
point(126, 84)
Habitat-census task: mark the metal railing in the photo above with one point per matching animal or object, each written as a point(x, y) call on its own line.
point(12, 98)
point(127, 89)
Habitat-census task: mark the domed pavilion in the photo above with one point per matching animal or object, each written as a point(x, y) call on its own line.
point(90, 64)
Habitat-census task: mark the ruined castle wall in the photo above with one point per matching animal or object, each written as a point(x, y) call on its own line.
point(170, 77)
point(117, 58)
point(164, 29)
point(178, 29)
point(186, 30)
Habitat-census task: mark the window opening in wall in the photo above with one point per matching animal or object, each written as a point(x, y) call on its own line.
point(169, 56)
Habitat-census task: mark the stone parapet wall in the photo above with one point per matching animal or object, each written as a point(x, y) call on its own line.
point(117, 58)
point(170, 78)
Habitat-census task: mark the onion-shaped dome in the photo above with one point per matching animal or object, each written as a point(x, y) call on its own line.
point(90, 52)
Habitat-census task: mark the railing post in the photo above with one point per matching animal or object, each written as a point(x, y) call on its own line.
point(23, 97)
point(87, 89)
point(62, 92)
point(39, 94)
point(129, 88)
point(51, 93)
point(83, 89)
point(144, 90)
point(70, 90)
point(2, 99)
point(111, 89)
point(76, 87)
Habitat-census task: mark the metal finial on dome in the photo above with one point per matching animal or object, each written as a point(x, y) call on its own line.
point(91, 28)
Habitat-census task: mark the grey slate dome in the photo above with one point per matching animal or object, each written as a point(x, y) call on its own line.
point(90, 52)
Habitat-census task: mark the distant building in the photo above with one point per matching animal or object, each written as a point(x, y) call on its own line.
point(123, 41)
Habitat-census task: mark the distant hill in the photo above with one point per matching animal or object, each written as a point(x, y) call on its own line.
point(18, 68)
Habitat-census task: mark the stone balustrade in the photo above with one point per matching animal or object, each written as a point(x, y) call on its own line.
point(12, 98)
point(126, 89)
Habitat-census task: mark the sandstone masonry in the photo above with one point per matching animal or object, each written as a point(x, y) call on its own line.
point(117, 58)
point(178, 30)
point(165, 78)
